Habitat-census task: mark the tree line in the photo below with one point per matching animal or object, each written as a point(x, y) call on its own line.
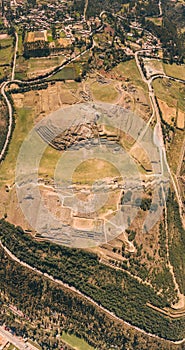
point(113, 289)
point(48, 310)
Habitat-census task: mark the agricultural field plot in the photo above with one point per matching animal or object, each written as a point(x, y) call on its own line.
point(169, 113)
point(172, 105)
point(33, 67)
point(174, 149)
point(171, 92)
point(6, 54)
point(6, 50)
point(39, 66)
point(20, 43)
point(36, 36)
point(67, 73)
point(21, 68)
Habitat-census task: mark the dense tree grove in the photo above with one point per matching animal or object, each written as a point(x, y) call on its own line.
point(4, 122)
point(43, 303)
point(176, 240)
point(36, 49)
point(113, 289)
point(172, 41)
point(95, 7)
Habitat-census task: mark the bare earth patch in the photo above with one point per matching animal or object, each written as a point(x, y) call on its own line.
point(180, 119)
point(168, 112)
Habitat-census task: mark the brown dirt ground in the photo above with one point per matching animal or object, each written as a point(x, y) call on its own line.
point(180, 119)
point(167, 111)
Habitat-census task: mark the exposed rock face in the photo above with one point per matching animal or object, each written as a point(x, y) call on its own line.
point(75, 136)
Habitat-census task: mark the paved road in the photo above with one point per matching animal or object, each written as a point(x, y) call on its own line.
point(13, 339)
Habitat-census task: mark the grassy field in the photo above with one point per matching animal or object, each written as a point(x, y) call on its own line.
point(174, 151)
point(174, 70)
point(94, 169)
point(20, 44)
point(24, 122)
point(104, 92)
point(6, 51)
point(76, 343)
point(21, 68)
point(36, 64)
point(130, 71)
point(67, 73)
point(49, 36)
point(48, 162)
point(171, 92)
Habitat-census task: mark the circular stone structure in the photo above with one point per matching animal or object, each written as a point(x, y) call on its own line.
point(96, 211)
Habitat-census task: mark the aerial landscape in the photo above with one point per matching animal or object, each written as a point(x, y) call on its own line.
point(92, 174)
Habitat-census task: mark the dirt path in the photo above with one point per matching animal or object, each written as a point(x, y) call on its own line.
point(85, 8)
